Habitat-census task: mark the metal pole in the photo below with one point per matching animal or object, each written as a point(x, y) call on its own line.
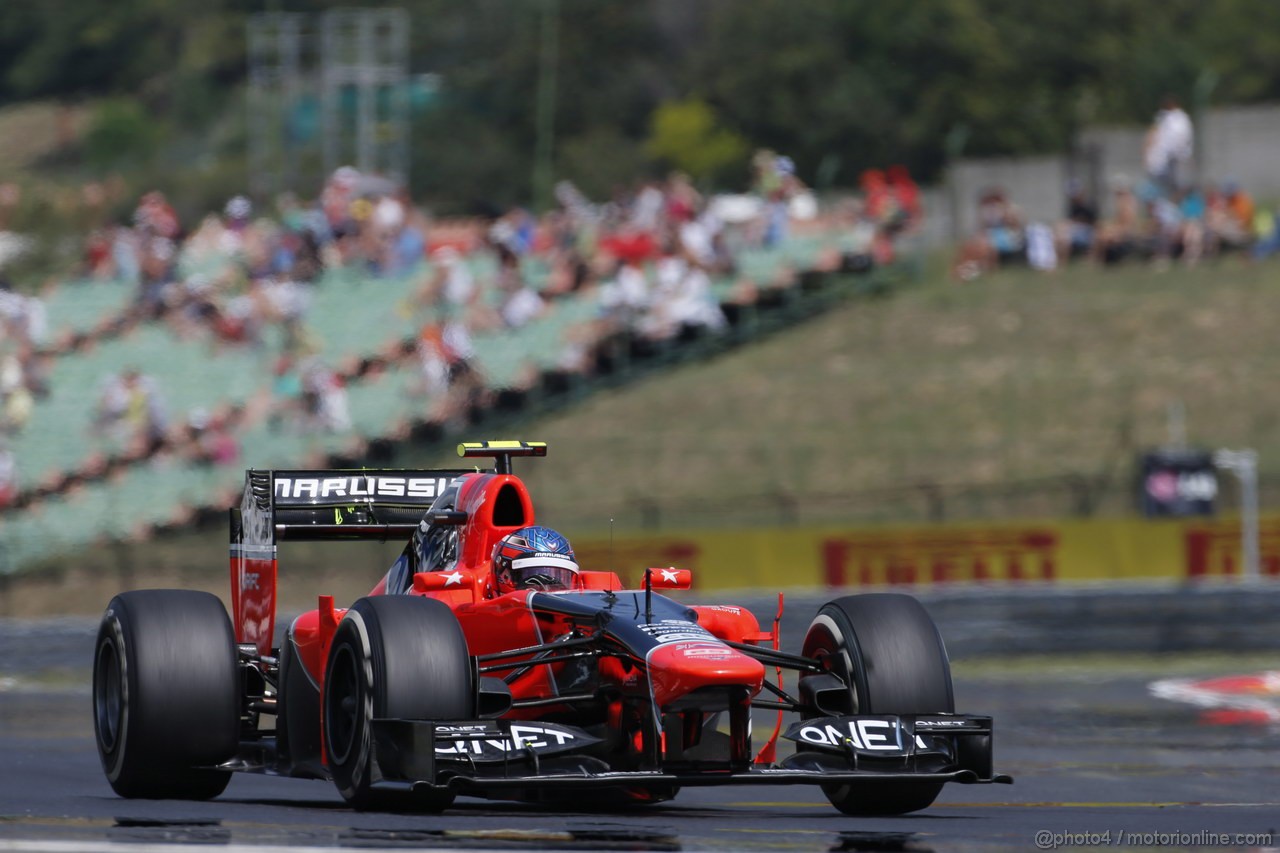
point(1249, 518)
point(366, 94)
point(257, 99)
point(398, 168)
point(549, 56)
point(290, 48)
point(1177, 425)
point(953, 147)
point(1244, 464)
point(331, 93)
point(365, 54)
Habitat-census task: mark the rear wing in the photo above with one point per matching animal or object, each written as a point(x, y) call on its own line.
point(301, 505)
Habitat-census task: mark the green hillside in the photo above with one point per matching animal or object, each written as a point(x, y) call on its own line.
point(972, 394)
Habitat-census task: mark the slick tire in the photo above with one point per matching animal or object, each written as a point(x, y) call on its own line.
point(166, 694)
point(393, 656)
point(888, 650)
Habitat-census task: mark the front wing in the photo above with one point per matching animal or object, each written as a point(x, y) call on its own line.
point(503, 755)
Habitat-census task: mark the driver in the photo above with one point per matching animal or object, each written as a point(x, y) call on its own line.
point(534, 558)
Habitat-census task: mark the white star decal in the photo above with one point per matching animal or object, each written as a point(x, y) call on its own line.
point(456, 577)
point(670, 576)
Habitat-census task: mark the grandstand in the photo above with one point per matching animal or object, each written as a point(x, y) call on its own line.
point(58, 434)
point(76, 307)
point(74, 500)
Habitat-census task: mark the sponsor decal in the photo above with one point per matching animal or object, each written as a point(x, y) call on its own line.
point(491, 743)
point(675, 630)
point(1168, 486)
point(253, 600)
point(477, 727)
point(707, 651)
point(876, 735)
point(1213, 548)
point(368, 486)
point(941, 556)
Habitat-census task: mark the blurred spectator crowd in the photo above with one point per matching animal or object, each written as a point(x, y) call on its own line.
point(24, 375)
point(656, 261)
point(1163, 217)
point(23, 367)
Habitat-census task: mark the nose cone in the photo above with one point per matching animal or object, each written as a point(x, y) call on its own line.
point(676, 669)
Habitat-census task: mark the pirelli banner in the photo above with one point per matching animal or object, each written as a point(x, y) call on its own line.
point(1016, 552)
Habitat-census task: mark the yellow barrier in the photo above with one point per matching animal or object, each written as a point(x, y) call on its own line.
point(1048, 551)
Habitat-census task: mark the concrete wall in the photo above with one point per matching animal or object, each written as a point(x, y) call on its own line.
point(1241, 144)
point(1234, 143)
point(1107, 156)
point(1034, 184)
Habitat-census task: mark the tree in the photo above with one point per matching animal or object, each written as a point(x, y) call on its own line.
point(687, 135)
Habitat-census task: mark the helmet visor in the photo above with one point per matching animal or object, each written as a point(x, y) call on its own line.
point(544, 572)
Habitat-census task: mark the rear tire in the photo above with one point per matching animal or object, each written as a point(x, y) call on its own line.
point(393, 656)
point(166, 695)
point(887, 649)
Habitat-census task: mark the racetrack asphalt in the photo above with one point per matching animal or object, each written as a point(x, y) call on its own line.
point(1098, 761)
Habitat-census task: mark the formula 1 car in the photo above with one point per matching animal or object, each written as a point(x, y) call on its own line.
point(443, 682)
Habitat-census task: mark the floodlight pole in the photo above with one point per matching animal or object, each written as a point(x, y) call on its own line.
point(365, 52)
point(1244, 464)
point(275, 42)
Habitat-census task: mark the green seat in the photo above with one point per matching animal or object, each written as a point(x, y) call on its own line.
point(79, 305)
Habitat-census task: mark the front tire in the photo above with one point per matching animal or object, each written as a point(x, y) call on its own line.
point(887, 649)
point(394, 656)
point(166, 694)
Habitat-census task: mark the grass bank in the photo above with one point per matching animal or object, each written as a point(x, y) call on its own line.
point(1018, 378)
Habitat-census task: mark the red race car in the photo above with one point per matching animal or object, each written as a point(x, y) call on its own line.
point(487, 662)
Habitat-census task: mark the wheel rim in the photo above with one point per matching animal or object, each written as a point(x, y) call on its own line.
point(342, 704)
point(825, 645)
point(108, 696)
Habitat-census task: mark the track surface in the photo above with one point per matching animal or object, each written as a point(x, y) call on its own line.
point(1092, 752)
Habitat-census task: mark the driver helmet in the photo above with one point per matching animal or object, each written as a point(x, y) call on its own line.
point(534, 558)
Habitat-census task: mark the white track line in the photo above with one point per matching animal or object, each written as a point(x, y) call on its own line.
point(33, 846)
